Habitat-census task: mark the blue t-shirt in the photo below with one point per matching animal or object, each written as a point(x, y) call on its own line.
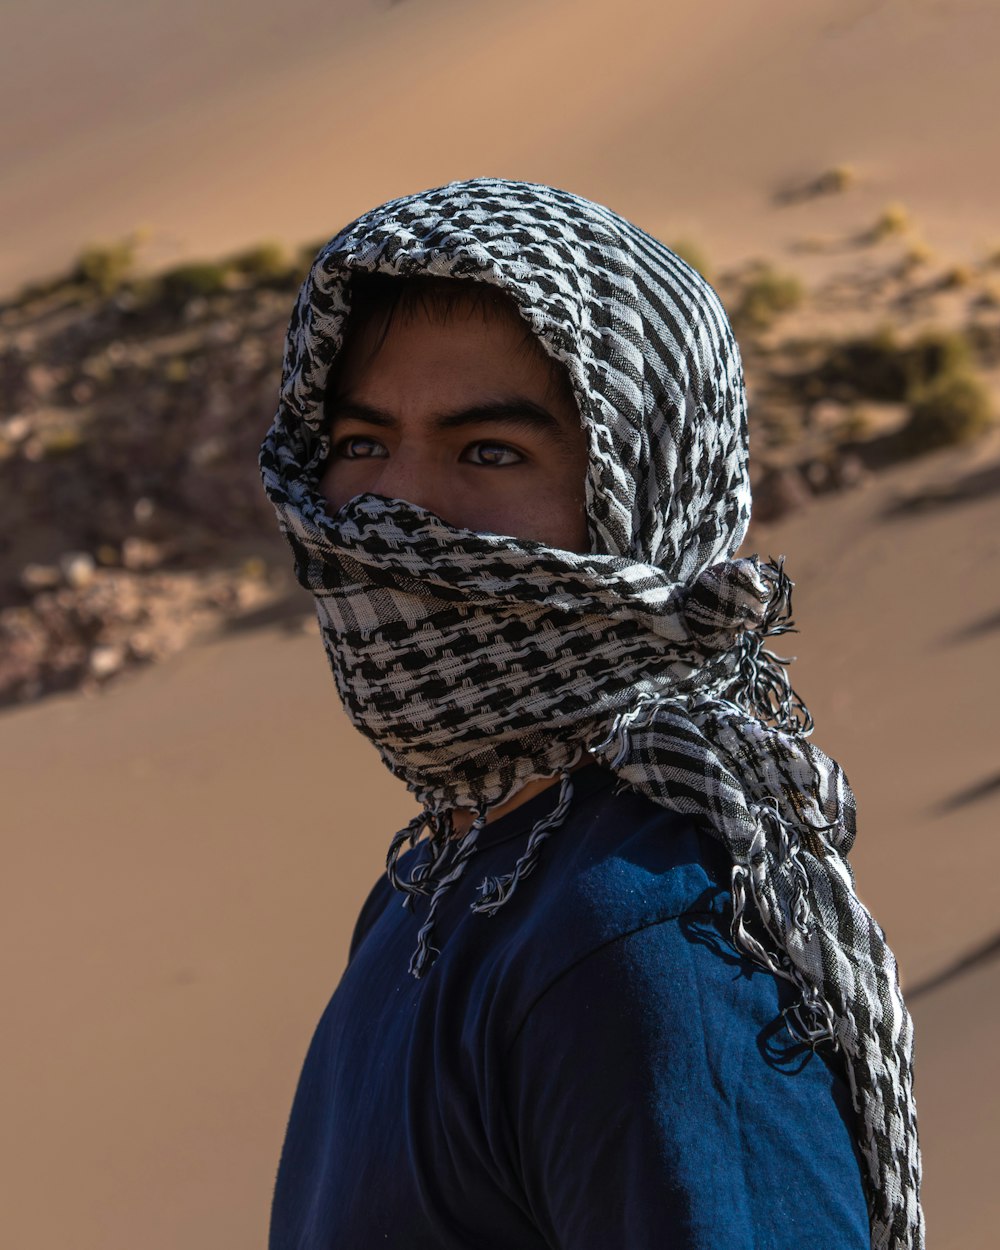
point(595, 1067)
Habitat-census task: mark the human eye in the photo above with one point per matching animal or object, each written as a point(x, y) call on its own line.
point(358, 447)
point(492, 455)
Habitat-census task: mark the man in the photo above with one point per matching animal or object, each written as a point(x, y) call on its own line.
point(631, 998)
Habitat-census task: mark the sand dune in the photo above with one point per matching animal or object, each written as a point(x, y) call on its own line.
point(217, 126)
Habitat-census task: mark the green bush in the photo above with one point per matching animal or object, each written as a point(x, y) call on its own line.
point(937, 352)
point(951, 408)
point(879, 367)
point(60, 441)
point(872, 367)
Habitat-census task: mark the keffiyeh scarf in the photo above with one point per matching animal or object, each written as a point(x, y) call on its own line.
point(477, 662)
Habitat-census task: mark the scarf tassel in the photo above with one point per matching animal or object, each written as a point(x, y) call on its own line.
point(496, 891)
point(446, 862)
point(812, 1020)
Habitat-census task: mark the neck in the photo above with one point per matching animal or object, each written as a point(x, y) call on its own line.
point(462, 818)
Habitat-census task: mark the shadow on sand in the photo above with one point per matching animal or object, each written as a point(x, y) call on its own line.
point(973, 486)
point(972, 794)
point(289, 614)
point(985, 953)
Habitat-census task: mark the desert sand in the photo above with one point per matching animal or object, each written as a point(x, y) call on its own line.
point(185, 853)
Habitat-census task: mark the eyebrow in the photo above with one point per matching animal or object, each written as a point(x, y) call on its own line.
point(514, 411)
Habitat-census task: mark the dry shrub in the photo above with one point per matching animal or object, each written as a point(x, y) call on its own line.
point(918, 254)
point(263, 263)
point(836, 180)
point(953, 407)
point(989, 297)
point(105, 267)
point(196, 279)
point(767, 293)
point(831, 181)
point(893, 220)
point(693, 253)
point(857, 425)
point(957, 277)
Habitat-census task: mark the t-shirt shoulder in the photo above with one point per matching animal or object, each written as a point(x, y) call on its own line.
point(617, 864)
point(621, 863)
point(683, 1104)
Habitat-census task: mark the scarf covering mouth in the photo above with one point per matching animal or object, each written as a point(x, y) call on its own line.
point(477, 662)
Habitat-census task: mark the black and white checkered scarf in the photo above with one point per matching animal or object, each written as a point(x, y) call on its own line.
point(477, 662)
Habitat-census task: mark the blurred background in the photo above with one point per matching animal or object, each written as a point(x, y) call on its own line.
point(189, 824)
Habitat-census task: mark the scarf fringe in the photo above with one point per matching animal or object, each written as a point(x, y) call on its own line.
point(762, 687)
point(448, 858)
point(791, 882)
point(812, 1020)
point(455, 857)
point(496, 891)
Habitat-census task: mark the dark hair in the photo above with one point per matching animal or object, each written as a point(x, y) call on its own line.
point(377, 299)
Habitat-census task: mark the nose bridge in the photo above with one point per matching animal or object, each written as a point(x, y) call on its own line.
point(414, 474)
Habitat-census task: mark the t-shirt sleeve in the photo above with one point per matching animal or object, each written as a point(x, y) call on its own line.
point(656, 1099)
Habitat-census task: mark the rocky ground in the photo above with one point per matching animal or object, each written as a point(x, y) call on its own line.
point(131, 409)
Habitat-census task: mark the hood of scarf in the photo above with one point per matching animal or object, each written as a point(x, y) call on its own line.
point(475, 662)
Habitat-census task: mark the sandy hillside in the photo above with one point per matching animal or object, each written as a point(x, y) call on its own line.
point(215, 125)
point(899, 612)
point(184, 863)
point(185, 855)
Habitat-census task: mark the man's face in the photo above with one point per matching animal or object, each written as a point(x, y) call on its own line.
point(459, 415)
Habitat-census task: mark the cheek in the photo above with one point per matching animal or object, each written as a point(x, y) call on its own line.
point(332, 490)
point(575, 523)
point(555, 511)
point(575, 530)
point(555, 516)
